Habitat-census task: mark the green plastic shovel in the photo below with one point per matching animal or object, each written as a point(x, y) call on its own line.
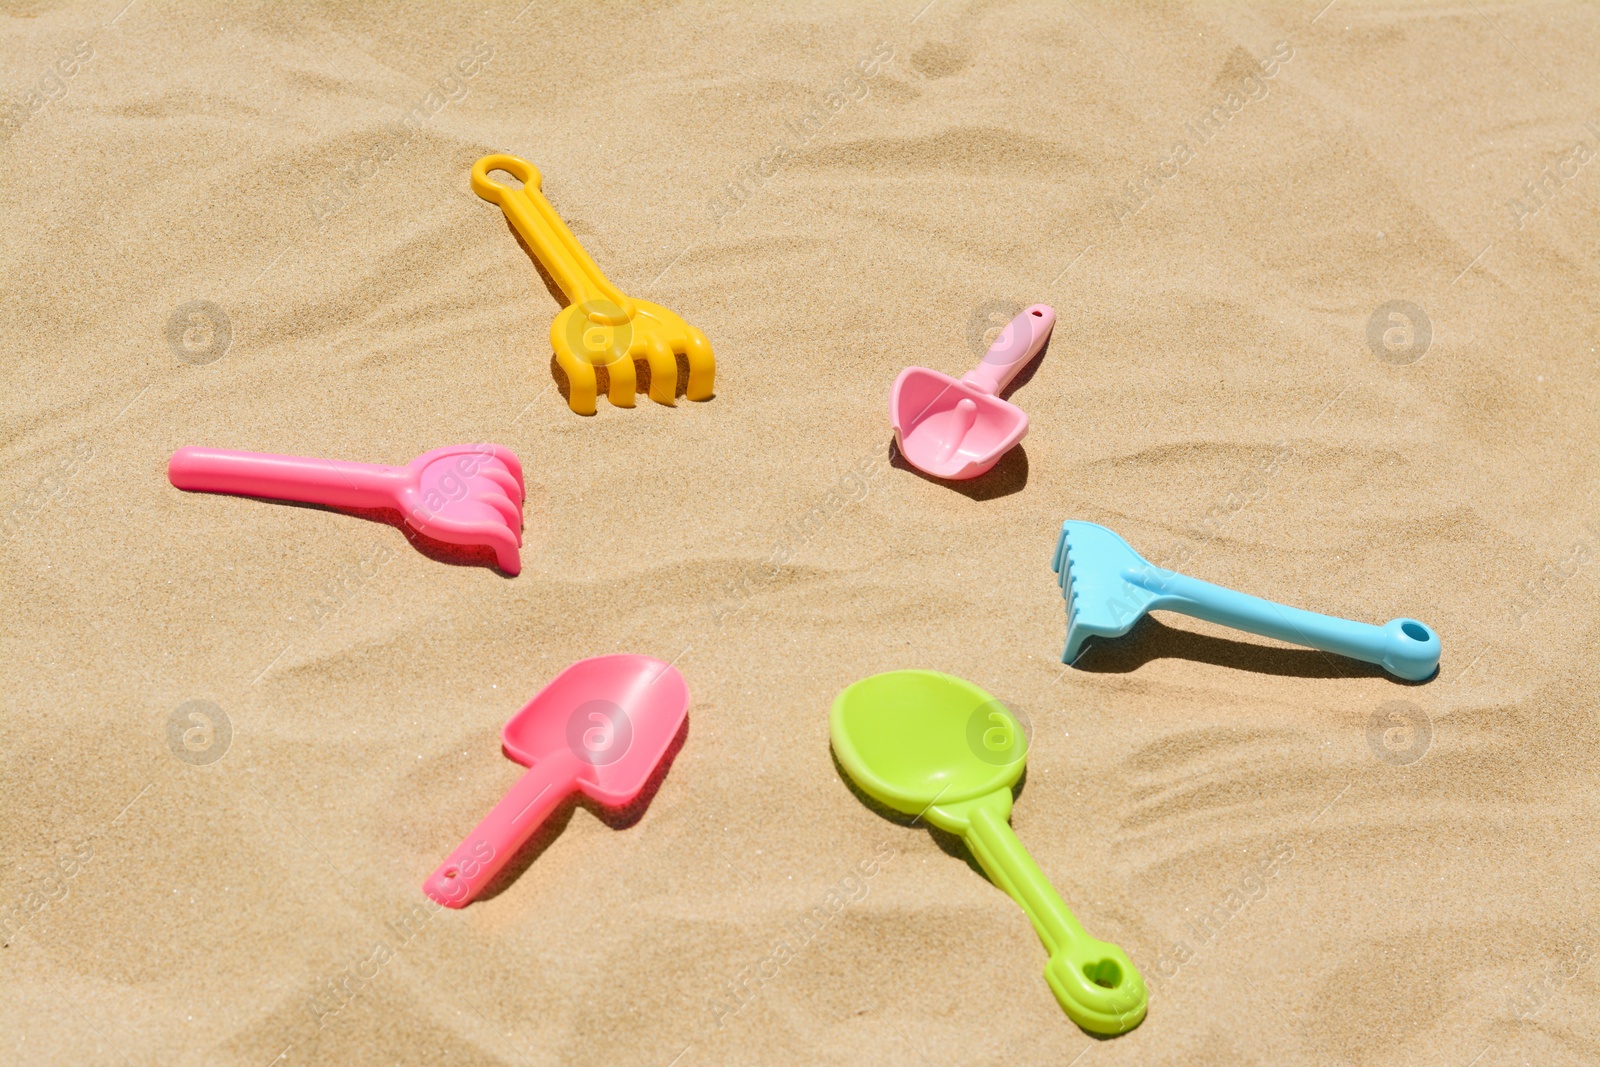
point(935, 746)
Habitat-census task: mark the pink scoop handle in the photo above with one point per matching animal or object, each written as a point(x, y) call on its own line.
point(490, 846)
point(1018, 343)
point(311, 481)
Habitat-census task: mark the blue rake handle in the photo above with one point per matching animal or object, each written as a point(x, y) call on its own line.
point(1405, 648)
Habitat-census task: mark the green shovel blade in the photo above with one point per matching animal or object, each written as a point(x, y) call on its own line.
point(937, 747)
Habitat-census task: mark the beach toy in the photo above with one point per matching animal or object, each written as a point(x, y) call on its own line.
point(959, 429)
point(940, 748)
point(599, 327)
point(1108, 586)
point(601, 727)
point(461, 494)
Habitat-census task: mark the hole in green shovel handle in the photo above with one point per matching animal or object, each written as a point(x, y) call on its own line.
point(1414, 630)
point(1103, 973)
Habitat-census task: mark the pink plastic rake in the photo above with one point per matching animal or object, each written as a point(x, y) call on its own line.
point(460, 494)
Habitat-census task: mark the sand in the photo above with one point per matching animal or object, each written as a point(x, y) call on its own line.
point(1311, 862)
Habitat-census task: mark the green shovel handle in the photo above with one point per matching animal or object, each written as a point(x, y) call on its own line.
point(1094, 981)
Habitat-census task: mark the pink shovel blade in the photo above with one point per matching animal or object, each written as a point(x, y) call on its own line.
point(617, 714)
point(950, 429)
point(602, 727)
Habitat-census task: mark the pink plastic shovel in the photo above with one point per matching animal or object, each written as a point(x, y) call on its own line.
point(601, 726)
point(959, 429)
point(461, 494)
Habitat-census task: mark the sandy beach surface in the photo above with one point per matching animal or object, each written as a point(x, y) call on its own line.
point(1328, 292)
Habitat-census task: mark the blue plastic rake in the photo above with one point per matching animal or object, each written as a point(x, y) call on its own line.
point(1109, 587)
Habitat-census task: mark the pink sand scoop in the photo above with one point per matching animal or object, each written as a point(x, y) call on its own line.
point(602, 726)
point(460, 494)
point(959, 429)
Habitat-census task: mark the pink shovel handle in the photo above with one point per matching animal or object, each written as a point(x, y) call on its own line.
point(490, 846)
point(1019, 342)
point(310, 481)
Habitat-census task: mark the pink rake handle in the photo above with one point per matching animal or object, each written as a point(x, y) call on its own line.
point(1018, 343)
point(492, 843)
point(310, 481)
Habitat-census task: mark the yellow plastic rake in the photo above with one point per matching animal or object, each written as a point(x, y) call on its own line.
point(600, 326)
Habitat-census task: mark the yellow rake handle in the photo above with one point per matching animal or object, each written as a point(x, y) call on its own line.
point(572, 268)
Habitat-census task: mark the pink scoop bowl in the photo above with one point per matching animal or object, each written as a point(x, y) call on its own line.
point(601, 727)
point(959, 429)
